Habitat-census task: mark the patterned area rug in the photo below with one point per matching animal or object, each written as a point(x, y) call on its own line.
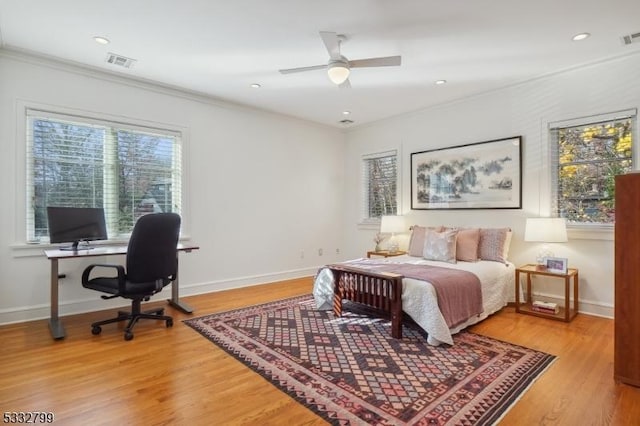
point(349, 370)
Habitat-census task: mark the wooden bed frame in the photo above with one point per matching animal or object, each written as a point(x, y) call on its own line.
point(379, 290)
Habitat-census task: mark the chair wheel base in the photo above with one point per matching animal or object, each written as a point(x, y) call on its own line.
point(133, 317)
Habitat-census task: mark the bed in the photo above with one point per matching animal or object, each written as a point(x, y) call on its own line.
point(373, 282)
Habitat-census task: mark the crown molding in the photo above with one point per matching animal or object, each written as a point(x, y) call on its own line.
point(30, 57)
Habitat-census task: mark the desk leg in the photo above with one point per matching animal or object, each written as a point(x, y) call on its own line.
point(55, 324)
point(175, 296)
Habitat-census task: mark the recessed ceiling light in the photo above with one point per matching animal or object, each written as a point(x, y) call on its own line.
point(580, 36)
point(346, 112)
point(440, 81)
point(101, 40)
point(256, 86)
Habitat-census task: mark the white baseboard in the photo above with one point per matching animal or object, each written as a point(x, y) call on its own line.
point(72, 307)
point(220, 285)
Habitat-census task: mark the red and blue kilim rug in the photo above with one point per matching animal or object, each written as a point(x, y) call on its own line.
point(349, 370)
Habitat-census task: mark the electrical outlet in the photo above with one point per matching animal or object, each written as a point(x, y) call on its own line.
point(301, 254)
point(319, 252)
point(337, 251)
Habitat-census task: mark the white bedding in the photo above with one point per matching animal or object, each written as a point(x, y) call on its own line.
point(419, 299)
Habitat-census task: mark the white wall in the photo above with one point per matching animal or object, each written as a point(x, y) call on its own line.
point(524, 109)
point(261, 188)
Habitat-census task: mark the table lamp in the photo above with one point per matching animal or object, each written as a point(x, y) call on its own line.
point(392, 225)
point(545, 230)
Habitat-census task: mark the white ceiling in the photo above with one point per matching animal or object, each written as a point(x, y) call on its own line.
point(220, 48)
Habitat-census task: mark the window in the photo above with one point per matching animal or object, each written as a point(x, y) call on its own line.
point(587, 155)
point(380, 185)
point(79, 162)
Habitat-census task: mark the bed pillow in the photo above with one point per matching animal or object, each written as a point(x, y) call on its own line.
point(507, 244)
point(416, 242)
point(467, 244)
point(494, 244)
point(440, 246)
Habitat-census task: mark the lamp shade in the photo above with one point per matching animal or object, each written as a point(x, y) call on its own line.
point(392, 224)
point(545, 230)
point(338, 72)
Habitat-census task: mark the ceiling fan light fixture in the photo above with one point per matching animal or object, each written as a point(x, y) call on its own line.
point(338, 71)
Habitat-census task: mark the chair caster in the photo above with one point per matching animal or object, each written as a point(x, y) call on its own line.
point(95, 330)
point(128, 335)
point(160, 312)
point(169, 323)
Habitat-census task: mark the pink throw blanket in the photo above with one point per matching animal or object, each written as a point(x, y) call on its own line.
point(459, 292)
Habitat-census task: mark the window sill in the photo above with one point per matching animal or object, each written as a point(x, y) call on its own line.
point(369, 224)
point(590, 232)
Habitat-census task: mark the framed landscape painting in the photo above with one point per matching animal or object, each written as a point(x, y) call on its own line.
point(483, 175)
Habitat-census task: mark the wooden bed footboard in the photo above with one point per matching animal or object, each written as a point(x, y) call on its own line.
point(380, 290)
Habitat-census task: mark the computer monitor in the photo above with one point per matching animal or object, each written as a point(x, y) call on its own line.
point(75, 224)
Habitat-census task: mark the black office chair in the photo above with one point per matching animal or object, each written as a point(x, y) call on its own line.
point(152, 264)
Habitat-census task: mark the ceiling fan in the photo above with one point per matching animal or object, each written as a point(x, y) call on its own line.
point(338, 67)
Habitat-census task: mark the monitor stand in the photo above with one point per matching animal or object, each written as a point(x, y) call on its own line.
point(74, 247)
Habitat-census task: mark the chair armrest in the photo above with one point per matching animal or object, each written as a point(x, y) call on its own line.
point(119, 268)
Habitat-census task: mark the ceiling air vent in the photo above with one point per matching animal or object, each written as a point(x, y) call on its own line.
point(631, 38)
point(346, 121)
point(119, 60)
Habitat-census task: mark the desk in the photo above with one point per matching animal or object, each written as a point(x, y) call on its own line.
point(55, 323)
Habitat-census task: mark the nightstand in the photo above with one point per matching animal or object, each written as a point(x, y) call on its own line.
point(567, 312)
point(385, 253)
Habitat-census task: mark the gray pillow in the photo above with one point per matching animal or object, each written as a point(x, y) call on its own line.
point(440, 246)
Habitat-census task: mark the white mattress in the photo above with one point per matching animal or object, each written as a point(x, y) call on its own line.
point(419, 299)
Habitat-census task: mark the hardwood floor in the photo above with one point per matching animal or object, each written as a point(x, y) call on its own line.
point(173, 376)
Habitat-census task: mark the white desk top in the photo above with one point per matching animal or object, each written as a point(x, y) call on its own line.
point(102, 250)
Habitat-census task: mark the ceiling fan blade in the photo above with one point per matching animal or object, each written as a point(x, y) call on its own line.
point(345, 84)
point(387, 61)
point(302, 69)
point(332, 43)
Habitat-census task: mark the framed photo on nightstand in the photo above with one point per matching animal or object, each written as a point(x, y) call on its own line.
point(556, 265)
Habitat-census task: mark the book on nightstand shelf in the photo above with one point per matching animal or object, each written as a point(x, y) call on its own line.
point(546, 307)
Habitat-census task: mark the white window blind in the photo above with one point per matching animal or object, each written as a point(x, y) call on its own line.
point(586, 155)
point(125, 169)
point(380, 179)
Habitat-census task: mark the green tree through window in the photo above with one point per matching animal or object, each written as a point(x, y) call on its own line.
point(127, 172)
point(589, 157)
